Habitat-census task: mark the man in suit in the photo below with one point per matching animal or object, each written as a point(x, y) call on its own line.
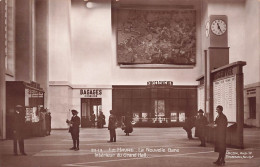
point(220, 136)
point(18, 129)
point(74, 129)
point(112, 126)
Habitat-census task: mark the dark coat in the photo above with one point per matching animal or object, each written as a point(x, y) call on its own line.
point(101, 120)
point(201, 123)
point(128, 125)
point(112, 122)
point(189, 123)
point(220, 133)
point(74, 125)
point(19, 124)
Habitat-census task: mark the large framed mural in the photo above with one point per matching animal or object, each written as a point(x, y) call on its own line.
point(156, 36)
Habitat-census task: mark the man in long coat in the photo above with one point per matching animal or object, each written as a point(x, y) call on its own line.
point(112, 126)
point(220, 136)
point(201, 123)
point(18, 129)
point(74, 129)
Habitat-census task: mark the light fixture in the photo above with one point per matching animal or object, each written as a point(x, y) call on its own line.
point(89, 4)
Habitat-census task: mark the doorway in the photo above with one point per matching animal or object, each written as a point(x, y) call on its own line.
point(159, 111)
point(90, 106)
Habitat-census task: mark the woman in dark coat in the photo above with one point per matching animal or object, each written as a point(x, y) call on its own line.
point(128, 125)
point(220, 136)
point(189, 124)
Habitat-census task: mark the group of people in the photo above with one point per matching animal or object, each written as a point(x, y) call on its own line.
point(220, 124)
point(112, 125)
point(200, 122)
point(74, 124)
point(101, 120)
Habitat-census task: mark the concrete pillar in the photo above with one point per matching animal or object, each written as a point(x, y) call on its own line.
point(2, 69)
point(41, 44)
point(24, 42)
point(60, 61)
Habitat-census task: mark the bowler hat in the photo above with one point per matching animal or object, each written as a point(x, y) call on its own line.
point(74, 111)
point(200, 111)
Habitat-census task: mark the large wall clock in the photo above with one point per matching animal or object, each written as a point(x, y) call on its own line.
point(218, 33)
point(218, 27)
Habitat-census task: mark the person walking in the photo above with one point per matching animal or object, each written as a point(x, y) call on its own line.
point(112, 126)
point(220, 136)
point(201, 123)
point(18, 129)
point(74, 129)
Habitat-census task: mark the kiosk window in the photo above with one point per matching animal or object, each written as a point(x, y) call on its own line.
point(252, 107)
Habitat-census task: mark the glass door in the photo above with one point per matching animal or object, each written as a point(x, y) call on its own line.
point(159, 111)
point(89, 107)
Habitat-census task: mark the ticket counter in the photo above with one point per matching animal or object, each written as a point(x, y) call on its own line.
point(29, 95)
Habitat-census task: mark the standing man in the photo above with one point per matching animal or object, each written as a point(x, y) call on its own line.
point(112, 126)
point(18, 129)
point(201, 123)
point(220, 136)
point(74, 129)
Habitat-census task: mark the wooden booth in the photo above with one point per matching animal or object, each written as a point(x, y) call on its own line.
point(31, 96)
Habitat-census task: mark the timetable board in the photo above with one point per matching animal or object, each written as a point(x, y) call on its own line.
point(201, 98)
point(224, 93)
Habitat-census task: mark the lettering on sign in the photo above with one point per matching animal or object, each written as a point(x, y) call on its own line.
point(90, 92)
point(251, 92)
point(159, 83)
point(223, 73)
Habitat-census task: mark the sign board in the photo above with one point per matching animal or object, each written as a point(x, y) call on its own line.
point(91, 92)
point(224, 94)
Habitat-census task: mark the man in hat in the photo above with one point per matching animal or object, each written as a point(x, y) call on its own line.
point(112, 126)
point(201, 123)
point(18, 129)
point(220, 137)
point(74, 129)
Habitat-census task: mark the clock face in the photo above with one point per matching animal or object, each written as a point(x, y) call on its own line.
point(218, 27)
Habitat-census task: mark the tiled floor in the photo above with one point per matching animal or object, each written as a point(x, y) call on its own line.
point(144, 147)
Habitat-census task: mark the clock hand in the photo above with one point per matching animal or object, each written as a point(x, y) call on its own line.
point(219, 27)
